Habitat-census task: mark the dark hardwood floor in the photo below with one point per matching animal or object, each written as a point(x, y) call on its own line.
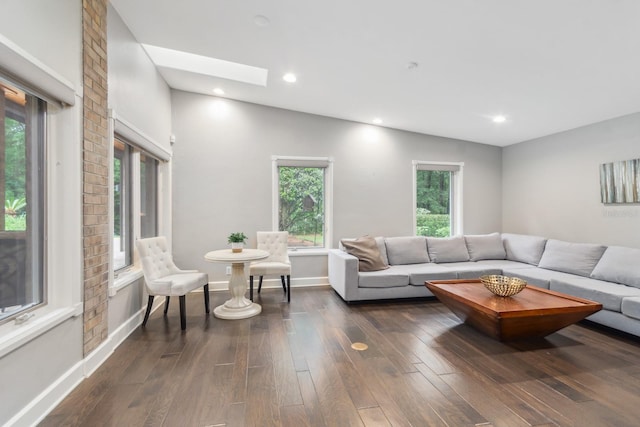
point(293, 365)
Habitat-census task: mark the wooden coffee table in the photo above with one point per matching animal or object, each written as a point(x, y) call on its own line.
point(534, 312)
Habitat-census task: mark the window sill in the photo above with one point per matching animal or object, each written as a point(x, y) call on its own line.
point(308, 252)
point(14, 336)
point(124, 279)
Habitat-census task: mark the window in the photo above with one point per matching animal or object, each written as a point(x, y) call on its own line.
point(129, 162)
point(148, 196)
point(22, 148)
point(121, 205)
point(438, 187)
point(302, 200)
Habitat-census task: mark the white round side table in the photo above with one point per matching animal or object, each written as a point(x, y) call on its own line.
point(238, 307)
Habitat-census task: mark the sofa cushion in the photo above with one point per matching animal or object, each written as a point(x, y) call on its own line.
point(420, 273)
point(503, 263)
point(523, 248)
point(619, 265)
point(610, 295)
point(389, 278)
point(485, 246)
point(574, 258)
point(536, 276)
point(366, 250)
point(447, 249)
point(471, 269)
point(407, 250)
point(631, 307)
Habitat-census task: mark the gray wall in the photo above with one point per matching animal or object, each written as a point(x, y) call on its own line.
point(551, 185)
point(222, 175)
point(139, 95)
point(37, 26)
point(137, 92)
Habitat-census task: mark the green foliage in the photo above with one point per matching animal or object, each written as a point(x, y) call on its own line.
point(15, 159)
point(296, 185)
point(433, 191)
point(237, 238)
point(117, 195)
point(15, 222)
point(432, 225)
point(433, 195)
point(14, 206)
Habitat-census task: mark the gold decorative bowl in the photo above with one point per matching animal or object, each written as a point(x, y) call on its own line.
point(503, 286)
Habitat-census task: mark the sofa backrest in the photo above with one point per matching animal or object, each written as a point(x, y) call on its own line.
point(619, 265)
point(406, 250)
point(523, 248)
point(447, 249)
point(485, 246)
point(574, 258)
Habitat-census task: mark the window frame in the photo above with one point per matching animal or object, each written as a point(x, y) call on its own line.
point(127, 183)
point(456, 192)
point(36, 182)
point(299, 161)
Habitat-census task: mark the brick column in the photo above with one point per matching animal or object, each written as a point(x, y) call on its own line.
point(95, 228)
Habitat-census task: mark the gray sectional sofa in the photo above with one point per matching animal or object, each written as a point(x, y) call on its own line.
point(608, 275)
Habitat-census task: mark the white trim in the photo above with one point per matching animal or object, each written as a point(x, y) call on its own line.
point(124, 279)
point(135, 136)
point(319, 162)
point(31, 71)
point(301, 252)
point(456, 187)
point(15, 336)
point(45, 402)
point(300, 282)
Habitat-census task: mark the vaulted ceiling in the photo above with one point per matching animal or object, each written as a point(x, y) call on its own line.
point(437, 67)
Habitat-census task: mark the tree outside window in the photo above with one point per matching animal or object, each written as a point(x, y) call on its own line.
point(437, 186)
point(301, 213)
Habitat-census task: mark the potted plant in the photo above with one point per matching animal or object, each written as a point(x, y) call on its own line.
point(237, 241)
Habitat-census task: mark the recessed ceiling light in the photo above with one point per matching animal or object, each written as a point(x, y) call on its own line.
point(499, 119)
point(290, 78)
point(218, 91)
point(377, 121)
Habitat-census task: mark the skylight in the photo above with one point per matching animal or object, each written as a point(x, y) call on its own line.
point(199, 64)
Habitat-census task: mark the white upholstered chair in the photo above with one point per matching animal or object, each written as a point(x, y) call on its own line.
point(277, 264)
point(163, 278)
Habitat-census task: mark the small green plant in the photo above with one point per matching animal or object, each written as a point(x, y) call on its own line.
point(237, 238)
point(14, 206)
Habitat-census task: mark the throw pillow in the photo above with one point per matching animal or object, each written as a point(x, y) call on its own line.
point(574, 258)
point(366, 250)
point(447, 249)
point(485, 246)
point(523, 248)
point(407, 250)
point(619, 265)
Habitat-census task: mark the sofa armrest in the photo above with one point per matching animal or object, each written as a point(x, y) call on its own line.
point(343, 273)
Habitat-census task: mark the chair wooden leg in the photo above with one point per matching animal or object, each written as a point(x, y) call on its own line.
point(251, 288)
point(166, 305)
point(260, 284)
point(146, 314)
point(206, 298)
point(284, 288)
point(183, 314)
point(288, 288)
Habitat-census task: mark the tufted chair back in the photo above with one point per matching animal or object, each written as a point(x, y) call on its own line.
point(276, 243)
point(156, 258)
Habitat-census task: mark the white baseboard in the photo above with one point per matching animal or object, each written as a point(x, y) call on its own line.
point(45, 402)
point(51, 397)
point(303, 282)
